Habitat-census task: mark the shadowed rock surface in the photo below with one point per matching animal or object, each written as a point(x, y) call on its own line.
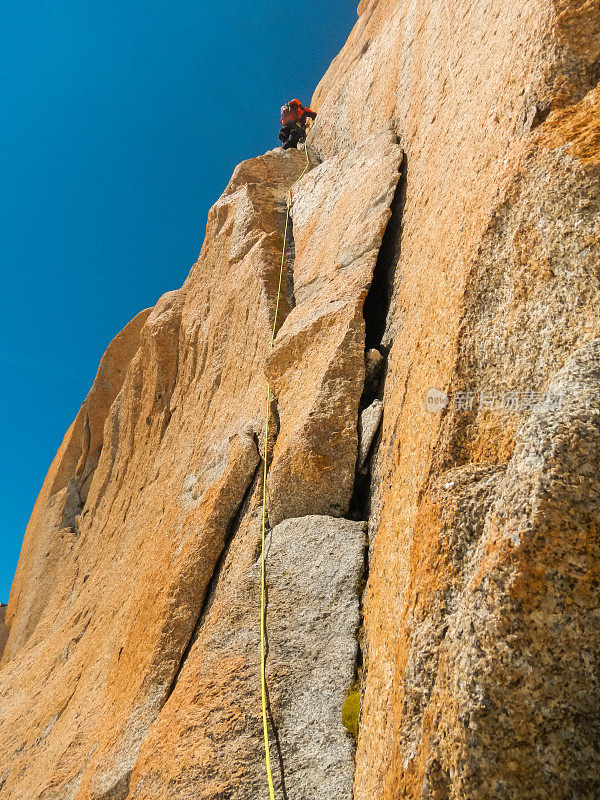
point(450, 221)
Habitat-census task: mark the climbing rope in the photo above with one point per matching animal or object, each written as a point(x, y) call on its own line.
point(263, 582)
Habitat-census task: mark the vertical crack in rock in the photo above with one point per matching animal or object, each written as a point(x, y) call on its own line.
point(296, 737)
point(147, 551)
point(207, 742)
point(73, 506)
point(378, 300)
point(288, 277)
point(341, 210)
point(482, 605)
point(214, 580)
point(375, 312)
point(370, 412)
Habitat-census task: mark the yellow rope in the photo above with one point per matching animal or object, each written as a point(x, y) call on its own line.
point(263, 680)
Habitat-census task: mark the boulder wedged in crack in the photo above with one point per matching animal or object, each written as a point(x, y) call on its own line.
point(317, 368)
point(207, 741)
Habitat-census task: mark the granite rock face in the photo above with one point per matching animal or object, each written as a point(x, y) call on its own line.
point(207, 742)
point(156, 481)
point(445, 237)
point(491, 278)
point(521, 611)
point(317, 367)
point(101, 612)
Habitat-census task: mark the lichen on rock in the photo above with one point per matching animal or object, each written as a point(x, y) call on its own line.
point(351, 712)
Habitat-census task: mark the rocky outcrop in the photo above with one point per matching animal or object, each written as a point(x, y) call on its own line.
point(445, 238)
point(98, 659)
point(158, 486)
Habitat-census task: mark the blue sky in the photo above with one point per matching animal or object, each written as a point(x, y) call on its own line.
point(120, 125)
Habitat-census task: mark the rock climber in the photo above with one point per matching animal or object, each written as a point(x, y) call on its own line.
point(294, 119)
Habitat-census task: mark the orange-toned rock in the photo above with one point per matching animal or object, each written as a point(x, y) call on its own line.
point(131, 667)
point(317, 367)
point(95, 646)
point(491, 262)
point(208, 742)
point(53, 525)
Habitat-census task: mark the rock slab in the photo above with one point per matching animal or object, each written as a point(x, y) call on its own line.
point(207, 742)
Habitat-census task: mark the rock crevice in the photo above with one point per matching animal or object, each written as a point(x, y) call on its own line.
point(316, 369)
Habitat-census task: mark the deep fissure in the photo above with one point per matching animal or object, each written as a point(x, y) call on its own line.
point(378, 301)
point(287, 299)
point(289, 261)
point(375, 312)
point(378, 342)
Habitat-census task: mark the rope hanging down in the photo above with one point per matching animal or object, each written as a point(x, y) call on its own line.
point(263, 680)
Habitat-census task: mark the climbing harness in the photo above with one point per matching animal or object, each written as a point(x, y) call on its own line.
point(263, 680)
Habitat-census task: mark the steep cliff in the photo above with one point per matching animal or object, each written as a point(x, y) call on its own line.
point(445, 237)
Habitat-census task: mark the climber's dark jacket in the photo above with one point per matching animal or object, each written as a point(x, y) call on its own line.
point(291, 134)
